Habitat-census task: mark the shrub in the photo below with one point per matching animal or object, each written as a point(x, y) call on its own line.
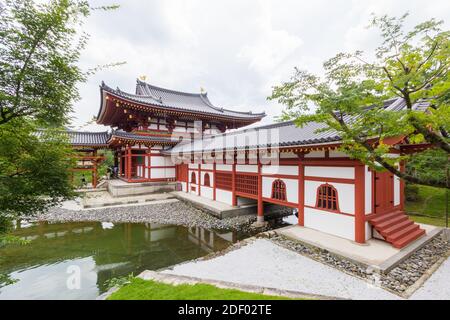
point(411, 192)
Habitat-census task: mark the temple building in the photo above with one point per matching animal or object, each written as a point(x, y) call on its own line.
point(155, 119)
point(182, 141)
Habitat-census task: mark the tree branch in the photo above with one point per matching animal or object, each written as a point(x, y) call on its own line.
point(363, 142)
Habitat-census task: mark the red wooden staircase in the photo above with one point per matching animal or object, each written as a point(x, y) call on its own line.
point(397, 228)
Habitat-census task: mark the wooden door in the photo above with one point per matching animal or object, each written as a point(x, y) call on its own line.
point(384, 192)
point(182, 172)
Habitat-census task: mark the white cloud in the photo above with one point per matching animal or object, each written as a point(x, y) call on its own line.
point(235, 49)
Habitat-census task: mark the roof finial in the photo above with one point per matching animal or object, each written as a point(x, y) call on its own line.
point(143, 77)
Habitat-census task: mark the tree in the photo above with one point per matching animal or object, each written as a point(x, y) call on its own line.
point(34, 169)
point(39, 51)
point(350, 98)
point(40, 46)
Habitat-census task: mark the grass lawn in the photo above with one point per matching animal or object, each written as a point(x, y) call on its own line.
point(140, 289)
point(430, 206)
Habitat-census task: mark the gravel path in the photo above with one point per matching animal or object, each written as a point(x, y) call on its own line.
point(437, 287)
point(171, 212)
point(264, 263)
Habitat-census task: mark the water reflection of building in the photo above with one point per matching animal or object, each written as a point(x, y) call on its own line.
point(210, 240)
point(116, 249)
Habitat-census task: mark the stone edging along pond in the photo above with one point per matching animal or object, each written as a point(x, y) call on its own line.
point(402, 280)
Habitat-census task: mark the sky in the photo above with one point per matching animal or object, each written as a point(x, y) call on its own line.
point(236, 50)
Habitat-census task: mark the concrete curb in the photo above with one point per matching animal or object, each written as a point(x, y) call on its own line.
point(177, 280)
point(123, 202)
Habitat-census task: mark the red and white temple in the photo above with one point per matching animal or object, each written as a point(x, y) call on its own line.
point(166, 136)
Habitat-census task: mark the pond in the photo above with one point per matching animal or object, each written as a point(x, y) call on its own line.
point(75, 260)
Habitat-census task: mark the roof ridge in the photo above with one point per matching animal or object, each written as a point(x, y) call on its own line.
point(80, 131)
point(267, 126)
point(203, 98)
point(140, 82)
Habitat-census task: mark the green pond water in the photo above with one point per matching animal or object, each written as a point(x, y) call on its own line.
point(74, 260)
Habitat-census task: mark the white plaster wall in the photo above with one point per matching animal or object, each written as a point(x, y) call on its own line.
point(179, 129)
point(168, 161)
point(192, 191)
point(330, 172)
point(288, 170)
point(224, 196)
point(337, 154)
point(193, 166)
point(246, 168)
point(368, 190)
point(207, 166)
point(158, 173)
point(333, 223)
point(206, 192)
point(224, 167)
point(170, 172)
point(315, 154)
point(291, 188)
point(157, 161)
point(346, 195)
point(183, 186)
point(211, 177)
point(396, 191)
point(368, 231)
point(288, 155)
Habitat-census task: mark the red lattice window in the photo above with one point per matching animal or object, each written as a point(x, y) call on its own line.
point(206, 181)
point(327, 198)
point(279, 190)
point(223, 181)
point(247, 184)
point(193, 180)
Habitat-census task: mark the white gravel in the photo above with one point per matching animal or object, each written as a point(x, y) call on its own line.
point(437, 287)
point(264, 263)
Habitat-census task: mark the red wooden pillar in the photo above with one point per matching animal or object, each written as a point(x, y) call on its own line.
point(260, 217)
point(214, 180)
point(94, 171)
point(94, 175)
point(233, 182)
point(128, 171)
point(301, 193)
point(360, 215)
point(186, 170)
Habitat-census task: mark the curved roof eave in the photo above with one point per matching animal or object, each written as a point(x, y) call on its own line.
point(238, 115)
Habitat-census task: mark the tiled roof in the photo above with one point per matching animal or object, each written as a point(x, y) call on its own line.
point(177, 100)
point(140, 137)
point(281, 134)
point(80, 138)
